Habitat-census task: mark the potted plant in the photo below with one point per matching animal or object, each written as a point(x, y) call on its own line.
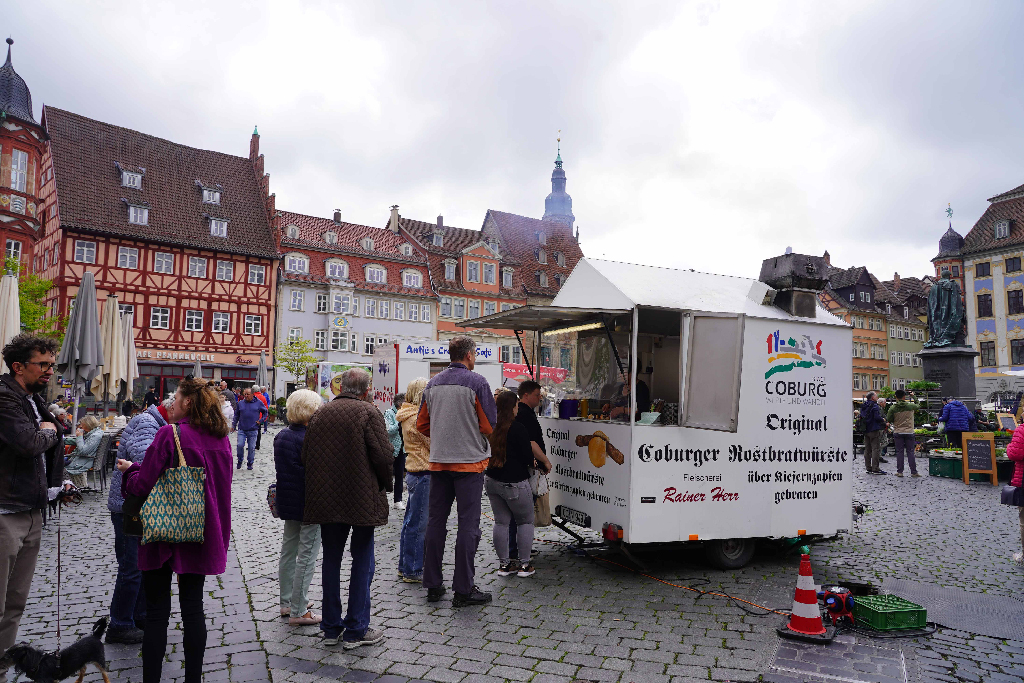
point(282, 410)
point(272, 414)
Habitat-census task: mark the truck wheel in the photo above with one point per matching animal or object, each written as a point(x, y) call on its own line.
point(730, 553)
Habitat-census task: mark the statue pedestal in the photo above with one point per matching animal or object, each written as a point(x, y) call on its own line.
point(953, 368)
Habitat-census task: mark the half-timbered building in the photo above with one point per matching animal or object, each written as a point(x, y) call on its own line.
point(180, 235)
point(22, 145)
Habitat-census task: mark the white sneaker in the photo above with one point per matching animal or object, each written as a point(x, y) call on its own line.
point(1018, 559)
point(400, 505)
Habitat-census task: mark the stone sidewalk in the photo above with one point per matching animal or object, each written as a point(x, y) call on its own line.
point(578, 617)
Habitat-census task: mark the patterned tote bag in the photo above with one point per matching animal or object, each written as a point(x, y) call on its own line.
point(175, 511)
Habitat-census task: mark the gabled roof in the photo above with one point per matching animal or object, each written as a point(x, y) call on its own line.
point(312, 229)
point(840, 278)
point(518, 235)
point(1007, 206)
point(456, 240)
point(90, 196)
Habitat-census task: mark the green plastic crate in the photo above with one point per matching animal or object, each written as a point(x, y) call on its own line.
point(888, 613)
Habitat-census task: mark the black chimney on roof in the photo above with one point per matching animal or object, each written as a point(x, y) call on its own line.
point(337, 216)
point(440, 223)
point(797, 280)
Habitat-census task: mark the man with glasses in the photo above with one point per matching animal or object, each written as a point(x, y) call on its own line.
point(31, 471)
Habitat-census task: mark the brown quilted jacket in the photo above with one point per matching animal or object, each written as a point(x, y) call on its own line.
point(348, 460)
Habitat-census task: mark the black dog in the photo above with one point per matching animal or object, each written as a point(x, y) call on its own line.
point(50, 667)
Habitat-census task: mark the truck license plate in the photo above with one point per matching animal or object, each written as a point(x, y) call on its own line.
point(575, 516)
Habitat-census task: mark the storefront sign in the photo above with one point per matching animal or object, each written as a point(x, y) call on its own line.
point(439, 350)
point(521, 372)
point(174, 355)
point(243, 361)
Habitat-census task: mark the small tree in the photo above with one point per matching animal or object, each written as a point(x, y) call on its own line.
point(296, 357)
point(32, 291)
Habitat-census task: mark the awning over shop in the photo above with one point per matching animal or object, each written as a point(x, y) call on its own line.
point(547, 319)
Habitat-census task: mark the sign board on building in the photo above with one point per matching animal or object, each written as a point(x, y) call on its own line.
point(1007, 421)
point(339, 321)
point(439, 351)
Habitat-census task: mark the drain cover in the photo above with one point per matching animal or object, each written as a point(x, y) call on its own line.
point(843, 660)
point(987, 615)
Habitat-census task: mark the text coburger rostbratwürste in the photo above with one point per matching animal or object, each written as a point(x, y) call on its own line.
point(737, 453)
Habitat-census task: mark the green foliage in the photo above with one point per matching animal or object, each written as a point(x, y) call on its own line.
point(296, 357)
point(887, 393)
point(923, 386)
point(32, 303)
point(281, 402)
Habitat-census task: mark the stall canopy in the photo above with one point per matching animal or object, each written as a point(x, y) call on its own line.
point(620, 287)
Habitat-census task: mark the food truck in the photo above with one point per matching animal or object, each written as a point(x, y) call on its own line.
point(395, 365)
point(700, 407)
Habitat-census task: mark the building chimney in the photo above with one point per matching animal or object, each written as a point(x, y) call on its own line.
point(337, 216)
point(797, 280)
point(393, 224)
point(896, 281)
point(828, 259)
point(440, 223)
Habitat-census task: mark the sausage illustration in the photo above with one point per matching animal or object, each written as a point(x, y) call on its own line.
point(599, 447)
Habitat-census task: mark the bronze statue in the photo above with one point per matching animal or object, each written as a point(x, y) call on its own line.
point(947, 320)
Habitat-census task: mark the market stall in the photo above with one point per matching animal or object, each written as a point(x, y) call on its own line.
point(700, 409)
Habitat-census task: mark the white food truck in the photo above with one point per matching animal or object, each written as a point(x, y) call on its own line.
point(395, 365)
point(750, 433)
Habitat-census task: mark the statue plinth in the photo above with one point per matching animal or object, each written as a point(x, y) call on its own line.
point(953, 368)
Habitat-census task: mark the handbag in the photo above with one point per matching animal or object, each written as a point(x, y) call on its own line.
point(131, 511)
point(272, 500)
point(175, 510)
point(542, 510)
point(538, 483)
point(1012, 495)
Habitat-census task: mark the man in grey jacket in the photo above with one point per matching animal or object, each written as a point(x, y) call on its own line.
point(457, 412)
point(31, 471)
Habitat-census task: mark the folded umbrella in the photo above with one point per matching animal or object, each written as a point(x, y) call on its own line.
point(81, 354)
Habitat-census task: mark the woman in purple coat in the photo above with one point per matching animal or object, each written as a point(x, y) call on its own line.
point(202, 431)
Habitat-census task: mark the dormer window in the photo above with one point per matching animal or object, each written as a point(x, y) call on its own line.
point(211, 196)
point(412, 278)
point(139, 215)
point(906, 311)
point(405, 249)
point(1002, 229)
point(541, 237)
point(293, 232)
point(331, 237)
point(337, 270)
point(218, 227)
point(542, 279)
point(295, 263)
point(560, 259)
point(437, 239)
point(542, 256)
point(449, 270)
point(376, 274)
point(493, 244)
point(506, 278)
point(133, 180)
point(367, 243)
point(888, 308)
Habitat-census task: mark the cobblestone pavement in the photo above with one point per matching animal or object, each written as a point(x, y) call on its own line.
point(578, 617)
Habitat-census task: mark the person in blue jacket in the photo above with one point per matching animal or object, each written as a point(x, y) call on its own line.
point(872, 424)
point(250, 413)
point(958, 419)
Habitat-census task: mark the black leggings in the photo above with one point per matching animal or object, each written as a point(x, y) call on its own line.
point(158, 612)
point(399, 468)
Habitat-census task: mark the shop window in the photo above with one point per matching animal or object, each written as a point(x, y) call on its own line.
point(984, 305)
point(713, 372)
point(983, 269)
point(988, 354)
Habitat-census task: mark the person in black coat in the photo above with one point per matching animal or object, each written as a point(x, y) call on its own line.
point(301, 543)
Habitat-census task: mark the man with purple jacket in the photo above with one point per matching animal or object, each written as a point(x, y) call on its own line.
point(457, 413)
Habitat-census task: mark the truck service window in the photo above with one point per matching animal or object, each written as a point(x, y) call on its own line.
point(713, 359)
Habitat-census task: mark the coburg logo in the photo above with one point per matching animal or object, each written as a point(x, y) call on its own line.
point(788, 354)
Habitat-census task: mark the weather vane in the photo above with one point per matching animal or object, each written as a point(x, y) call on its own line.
point(949, 210)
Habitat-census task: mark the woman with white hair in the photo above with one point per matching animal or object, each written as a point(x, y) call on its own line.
point(301, 543)
point(87, 443)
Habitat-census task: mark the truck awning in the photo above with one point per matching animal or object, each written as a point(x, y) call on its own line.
point(543, 318)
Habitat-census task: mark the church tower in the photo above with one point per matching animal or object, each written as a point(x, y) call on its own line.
point(558, 204)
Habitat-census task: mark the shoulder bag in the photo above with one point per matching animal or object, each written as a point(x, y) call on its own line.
point(175, 510)
point(1012, 495)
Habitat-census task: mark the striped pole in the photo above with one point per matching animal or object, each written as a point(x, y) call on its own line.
point(806, 617)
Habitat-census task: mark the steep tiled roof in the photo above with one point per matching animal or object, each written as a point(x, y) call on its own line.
point(15, 98)
point(518, 235)
point(1007, 206)
point(844, 277)
point(348, 248)
point(455, 241)
point(90, 196)
point(909, 286)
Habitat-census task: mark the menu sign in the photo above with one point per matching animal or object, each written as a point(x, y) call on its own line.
point(979, 455)
point(1007, 421)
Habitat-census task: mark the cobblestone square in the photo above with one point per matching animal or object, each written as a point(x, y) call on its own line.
point(578, 617)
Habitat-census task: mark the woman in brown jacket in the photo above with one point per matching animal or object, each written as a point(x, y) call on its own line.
point(417, 483)
point(348, 460)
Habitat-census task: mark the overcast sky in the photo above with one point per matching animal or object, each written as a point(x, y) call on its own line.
point(706, 135)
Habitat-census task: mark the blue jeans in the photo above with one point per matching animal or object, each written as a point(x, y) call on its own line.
point(128, 603)
point(414, 526)
point(358, 618)
point(247, 438)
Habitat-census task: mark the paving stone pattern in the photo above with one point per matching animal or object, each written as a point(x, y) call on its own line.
point(578, 618)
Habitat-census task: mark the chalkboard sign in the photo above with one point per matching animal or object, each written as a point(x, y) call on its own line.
point(979, 455)
point(1006, 421)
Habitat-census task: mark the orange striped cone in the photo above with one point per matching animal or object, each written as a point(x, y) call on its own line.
point(806, 617)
